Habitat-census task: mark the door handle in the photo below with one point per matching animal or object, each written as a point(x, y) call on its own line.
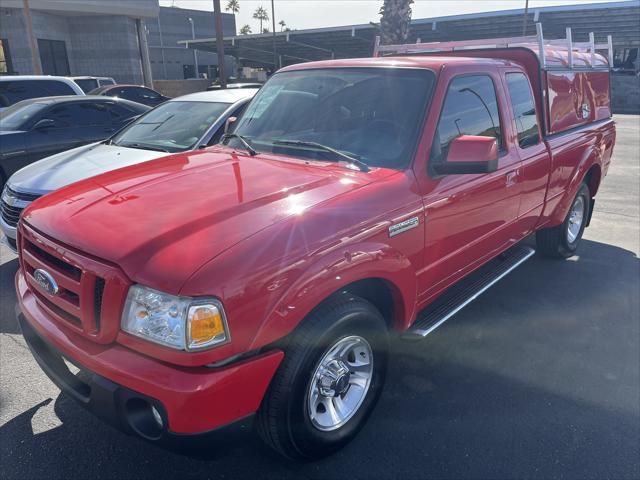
point(512, 178)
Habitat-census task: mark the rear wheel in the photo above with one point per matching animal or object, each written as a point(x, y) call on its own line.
point(329, 381)
point(562, 241)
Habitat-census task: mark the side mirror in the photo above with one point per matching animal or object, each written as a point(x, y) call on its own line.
point(44, 124)
point(469, 154)
point(4, 101)
point(229, 123)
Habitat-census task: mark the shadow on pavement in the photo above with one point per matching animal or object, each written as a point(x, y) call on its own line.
point(538, 378)
point(8, 322)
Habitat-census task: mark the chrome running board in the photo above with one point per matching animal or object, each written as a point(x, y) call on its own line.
point(467, 290)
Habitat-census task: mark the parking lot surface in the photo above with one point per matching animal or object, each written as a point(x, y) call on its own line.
point(539, 378)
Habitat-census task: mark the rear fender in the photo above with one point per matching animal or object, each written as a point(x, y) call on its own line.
point(590, 158)
point(335, 271)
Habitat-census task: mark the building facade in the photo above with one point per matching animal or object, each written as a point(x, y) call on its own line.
point(113, 38)
point(170, 61)
point(77, 38)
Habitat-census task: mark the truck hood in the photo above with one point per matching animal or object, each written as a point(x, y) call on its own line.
point(71, 166)
point(162, 220)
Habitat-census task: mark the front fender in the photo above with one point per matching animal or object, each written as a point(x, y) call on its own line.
point(335, 270)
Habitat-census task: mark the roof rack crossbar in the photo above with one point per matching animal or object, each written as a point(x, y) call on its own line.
point(537, 42)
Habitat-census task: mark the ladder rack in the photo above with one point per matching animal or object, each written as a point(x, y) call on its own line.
point(583, 51)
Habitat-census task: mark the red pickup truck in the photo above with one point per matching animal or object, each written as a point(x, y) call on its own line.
point(356, 201)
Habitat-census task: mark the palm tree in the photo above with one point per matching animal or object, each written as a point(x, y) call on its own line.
point(394, 24)
point(261, 14)
point(233, 6)
point(245, 30)
point(282, 24)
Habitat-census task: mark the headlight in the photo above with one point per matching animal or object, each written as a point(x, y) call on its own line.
point(182, 323)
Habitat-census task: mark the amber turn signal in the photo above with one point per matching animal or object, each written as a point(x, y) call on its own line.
point(206, 326)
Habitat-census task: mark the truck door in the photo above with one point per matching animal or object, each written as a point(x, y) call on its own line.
point(533, 152)
point(468, 216)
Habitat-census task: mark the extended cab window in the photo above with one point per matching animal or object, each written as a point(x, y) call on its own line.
point(524, 109)
point(470, 108)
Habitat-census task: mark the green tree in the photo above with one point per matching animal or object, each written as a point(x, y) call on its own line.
point(261, 14)
point(282, 24)
point(395, 20)
point(233, 6)
point(245, 30)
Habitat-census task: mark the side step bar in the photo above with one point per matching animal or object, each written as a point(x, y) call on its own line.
point(467, 290)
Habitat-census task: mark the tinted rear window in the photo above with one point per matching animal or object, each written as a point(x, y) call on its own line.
point(87, 84)
point(17, 90)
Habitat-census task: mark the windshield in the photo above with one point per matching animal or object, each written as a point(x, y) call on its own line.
point(172, 126)
point(371, 114)
point(19, 115)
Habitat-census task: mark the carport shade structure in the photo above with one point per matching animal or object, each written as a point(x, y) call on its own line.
point(353, 41)
point(295, 46)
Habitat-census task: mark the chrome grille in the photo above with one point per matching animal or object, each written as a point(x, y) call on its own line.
point(13, 203)
point(89, 294)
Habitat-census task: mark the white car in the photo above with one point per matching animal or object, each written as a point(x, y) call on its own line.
point(14, 89)
point(181, 124)
point(88, 84)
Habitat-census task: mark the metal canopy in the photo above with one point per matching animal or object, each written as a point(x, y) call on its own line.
point(353, 41)
point(295, 46)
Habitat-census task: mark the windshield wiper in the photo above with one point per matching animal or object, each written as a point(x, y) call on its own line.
point(363, 167)
point(245, 142)
point(140, 146)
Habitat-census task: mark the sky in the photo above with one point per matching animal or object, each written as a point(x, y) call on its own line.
point(300, 14)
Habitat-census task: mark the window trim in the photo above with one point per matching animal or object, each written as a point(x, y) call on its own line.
point(502, 150)
point(511, 105)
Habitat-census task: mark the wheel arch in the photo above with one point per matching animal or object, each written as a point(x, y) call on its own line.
point(387, 280)
point(588, 171)
point(592, 178)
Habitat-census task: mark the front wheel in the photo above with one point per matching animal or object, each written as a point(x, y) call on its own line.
point(329, 381)
point(562, 241)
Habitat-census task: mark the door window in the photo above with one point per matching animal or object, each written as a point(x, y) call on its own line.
point(524, 109)
point(80, 114)
point(470, 108)
point(120, 113)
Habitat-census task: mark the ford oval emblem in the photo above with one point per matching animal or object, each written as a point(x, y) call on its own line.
point(46, 281)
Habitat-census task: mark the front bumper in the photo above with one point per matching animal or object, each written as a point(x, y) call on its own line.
point(9, 237)
point(120, 385)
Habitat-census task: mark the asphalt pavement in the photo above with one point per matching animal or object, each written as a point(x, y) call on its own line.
point(539, 378)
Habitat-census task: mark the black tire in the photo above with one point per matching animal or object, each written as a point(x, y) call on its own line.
point(555, 242)
point(283, 420)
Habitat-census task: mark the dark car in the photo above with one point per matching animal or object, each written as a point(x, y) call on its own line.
point(36, 128)
point(135, 93)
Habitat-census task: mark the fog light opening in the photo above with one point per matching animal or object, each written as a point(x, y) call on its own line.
point(144, 418)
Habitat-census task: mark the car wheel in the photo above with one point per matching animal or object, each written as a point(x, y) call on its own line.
point(329, 381)
point(562, 241)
